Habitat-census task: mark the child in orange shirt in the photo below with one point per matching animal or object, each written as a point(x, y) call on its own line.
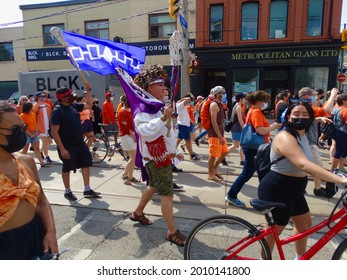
point(29, 119)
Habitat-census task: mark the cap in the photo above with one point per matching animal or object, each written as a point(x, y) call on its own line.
point(217, 89)
point(108, 94)
point(306, 91)
point(39, 94)
point(199, 97)
point(63, 92)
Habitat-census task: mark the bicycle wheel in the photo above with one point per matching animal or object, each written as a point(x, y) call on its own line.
point(210, 239)
point(341, 251)
point(98, 149)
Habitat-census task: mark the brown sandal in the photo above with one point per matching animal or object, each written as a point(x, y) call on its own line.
point(143, 220)
point(134, 180)
point(220, 177)
point(178, 238)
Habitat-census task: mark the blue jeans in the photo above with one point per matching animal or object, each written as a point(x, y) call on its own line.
point(246, 174)
point(202, 134)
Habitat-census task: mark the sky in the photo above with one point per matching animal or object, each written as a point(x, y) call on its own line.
point(12, 13)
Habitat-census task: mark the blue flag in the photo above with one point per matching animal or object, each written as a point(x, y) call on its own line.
point(104, 56)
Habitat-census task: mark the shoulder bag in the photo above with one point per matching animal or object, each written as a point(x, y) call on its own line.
point(250, 139)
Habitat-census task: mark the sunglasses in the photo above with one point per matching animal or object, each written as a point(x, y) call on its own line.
point(16, 130)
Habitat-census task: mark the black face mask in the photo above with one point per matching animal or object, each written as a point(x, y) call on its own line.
point(16, 141)
point(300, 123)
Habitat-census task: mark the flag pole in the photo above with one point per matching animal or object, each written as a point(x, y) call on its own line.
point(56, 32)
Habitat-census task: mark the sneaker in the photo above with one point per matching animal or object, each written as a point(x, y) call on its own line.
point(176, 187)
point(195, 157)
point(204, 141)
point(224, 162)
point(48, 160)
point(183, 148)
point(320, 192)
point(197, 142)
point(70, 196)
point(175, 169)
point(91, 193)
point(235, 201)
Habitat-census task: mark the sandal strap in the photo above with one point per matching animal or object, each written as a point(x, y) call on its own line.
point(177, 238)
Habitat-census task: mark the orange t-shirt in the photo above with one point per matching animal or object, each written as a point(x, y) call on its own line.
point(257, 119)
point(318, 111)
point(191, 112)
point(29, 120)
point(125, 116)
point(108, 113)
point(11, 194)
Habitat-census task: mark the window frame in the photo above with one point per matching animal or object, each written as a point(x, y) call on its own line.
point(160, 26)
point(211, 24)
point(88, 31)
point(313, 5)
point(55, 41)
point(11, 51)
point(286, 20)
point(243, 5)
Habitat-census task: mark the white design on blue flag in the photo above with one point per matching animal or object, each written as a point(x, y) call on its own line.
point(104, 56)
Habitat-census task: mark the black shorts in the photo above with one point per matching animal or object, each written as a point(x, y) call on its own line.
point(80, 157)
point(23, 243)
point(286, 189)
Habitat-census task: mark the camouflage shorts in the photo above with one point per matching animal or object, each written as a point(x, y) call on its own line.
point(160, 178)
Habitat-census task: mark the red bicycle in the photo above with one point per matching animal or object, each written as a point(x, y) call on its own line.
point(226, 237)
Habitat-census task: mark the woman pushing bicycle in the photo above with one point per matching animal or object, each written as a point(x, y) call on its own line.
point(287, 180)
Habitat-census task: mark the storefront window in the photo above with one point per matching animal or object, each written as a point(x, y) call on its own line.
point(315, 18)
point(245, 80)
point(216, 23)
point(278, 19)
point(313, 77)
point(249, 24)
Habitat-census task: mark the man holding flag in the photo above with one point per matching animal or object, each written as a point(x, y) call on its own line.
point(153, 127)
point(158, 148)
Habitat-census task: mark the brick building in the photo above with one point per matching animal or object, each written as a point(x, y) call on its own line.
point(267, 44)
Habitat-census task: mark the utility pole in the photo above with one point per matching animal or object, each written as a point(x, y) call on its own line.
point(185, 79)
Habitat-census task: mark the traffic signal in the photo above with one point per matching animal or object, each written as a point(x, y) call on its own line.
point(173, 8)
point(194, 67)
point(344, 35)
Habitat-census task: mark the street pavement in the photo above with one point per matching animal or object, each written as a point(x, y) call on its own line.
point(101, 229)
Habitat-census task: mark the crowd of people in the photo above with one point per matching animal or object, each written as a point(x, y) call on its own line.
point(35, 122)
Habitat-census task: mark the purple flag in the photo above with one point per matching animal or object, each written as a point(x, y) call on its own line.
point(139, 101)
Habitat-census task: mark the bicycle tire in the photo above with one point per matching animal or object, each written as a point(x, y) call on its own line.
point(99, 149)
point(210, 238)
point(341, 251)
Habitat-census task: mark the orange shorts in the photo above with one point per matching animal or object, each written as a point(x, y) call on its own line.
point(216, 148)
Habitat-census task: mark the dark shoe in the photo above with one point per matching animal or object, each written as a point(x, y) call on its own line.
point(183, 148)
point(320, 192)
point(195, 157)
point(175, 169)
point(224, 162)
point(177, 238)
point(235, 201)
point(197, 142)
point(176, 187)
point(70, 196)
point(48, 160)
point(91, 193)
point(143, 220)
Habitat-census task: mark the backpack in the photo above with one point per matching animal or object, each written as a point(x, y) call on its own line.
point(262, 161)
point(205, 114)
point(331, 189)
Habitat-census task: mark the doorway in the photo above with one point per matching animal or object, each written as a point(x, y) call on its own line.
point(275, 80)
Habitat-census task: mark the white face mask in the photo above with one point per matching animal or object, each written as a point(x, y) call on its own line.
point(264, 106)
point(111, 98)
point(165, 99)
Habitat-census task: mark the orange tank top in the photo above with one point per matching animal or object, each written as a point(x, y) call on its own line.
point(11, 194)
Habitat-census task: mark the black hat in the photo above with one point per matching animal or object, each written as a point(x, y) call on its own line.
point(39, 94)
